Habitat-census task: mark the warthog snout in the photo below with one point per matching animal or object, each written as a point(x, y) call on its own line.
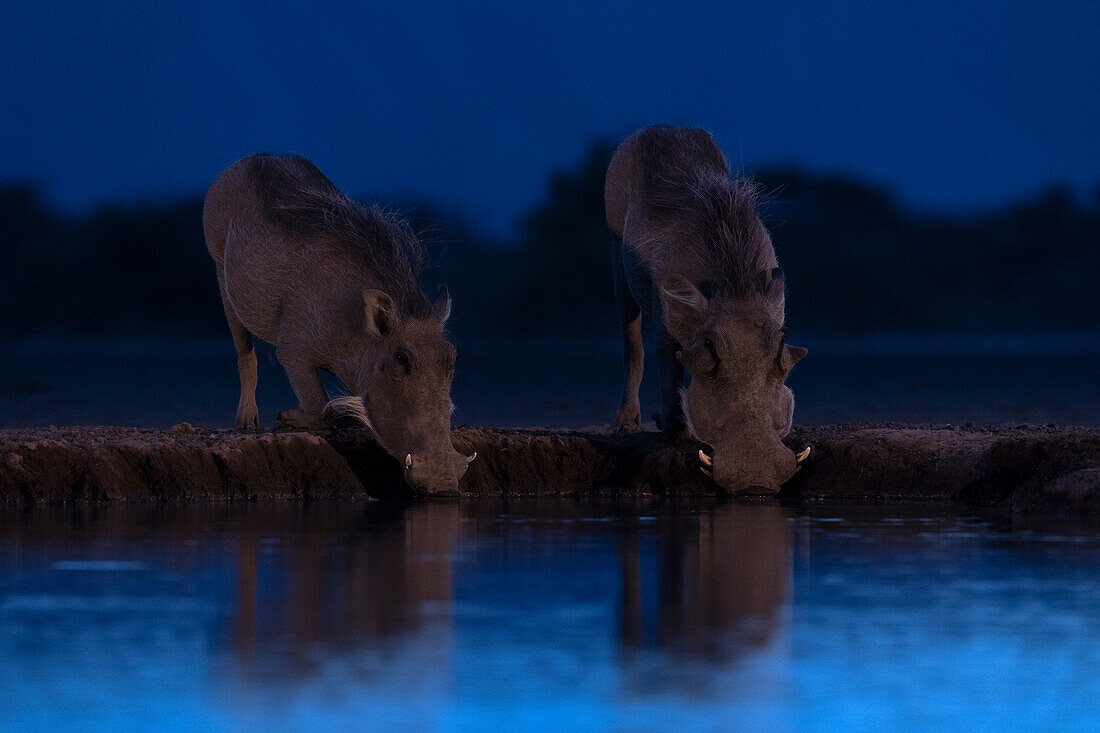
point(430, 473)
point(752, 470)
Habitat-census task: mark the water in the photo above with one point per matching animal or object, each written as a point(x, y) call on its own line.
point(547, 615)
point(158, 383)
point(555, 614)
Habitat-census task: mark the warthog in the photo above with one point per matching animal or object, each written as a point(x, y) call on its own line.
point(695, 254)
point(334, 285)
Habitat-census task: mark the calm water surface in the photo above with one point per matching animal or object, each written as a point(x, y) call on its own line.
point(560, 383)
point(548, 615)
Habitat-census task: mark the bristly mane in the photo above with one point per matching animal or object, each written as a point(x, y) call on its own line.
point(297, 196)
point(707, 220)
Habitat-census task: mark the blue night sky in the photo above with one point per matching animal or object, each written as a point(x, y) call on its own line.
point(955, 105)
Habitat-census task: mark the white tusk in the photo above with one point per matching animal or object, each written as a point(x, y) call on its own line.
point(408, 461)
point(803, 455)
point(707, 472)
point(470, 458)
point(705, 459)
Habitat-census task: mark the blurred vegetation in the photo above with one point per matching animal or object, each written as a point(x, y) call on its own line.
point(856, 262)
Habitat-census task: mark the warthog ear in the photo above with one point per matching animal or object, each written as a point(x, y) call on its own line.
point(684, 307)
point(771, 284)
point(379, 311)
point(441, 309)
point(789, 356)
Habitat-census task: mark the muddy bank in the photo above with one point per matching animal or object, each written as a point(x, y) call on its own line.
point(1025, 468)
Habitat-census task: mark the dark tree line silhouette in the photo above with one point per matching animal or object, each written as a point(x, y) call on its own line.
point(856, 262)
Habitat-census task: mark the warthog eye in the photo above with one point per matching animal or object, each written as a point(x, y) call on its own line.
point(402, 359)
point(709, 346)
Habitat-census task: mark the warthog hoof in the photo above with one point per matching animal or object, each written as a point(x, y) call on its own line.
point(247, 418)
point(628, 420)
point(299, 420)
point(439, 493)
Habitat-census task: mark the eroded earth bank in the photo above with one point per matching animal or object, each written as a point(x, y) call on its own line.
point(1026, 468)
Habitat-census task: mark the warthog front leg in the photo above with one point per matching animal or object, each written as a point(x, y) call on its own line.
point(629, 415)
point(300, 420)
point(310, 390)
point(671, 373)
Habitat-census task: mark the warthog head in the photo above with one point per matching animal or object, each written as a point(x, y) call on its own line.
point(407, 380)
point(737, 401)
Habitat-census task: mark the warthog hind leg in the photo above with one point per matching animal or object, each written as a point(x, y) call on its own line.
point(248, 415)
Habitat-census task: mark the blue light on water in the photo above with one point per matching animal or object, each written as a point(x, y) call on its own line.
point(682, 616)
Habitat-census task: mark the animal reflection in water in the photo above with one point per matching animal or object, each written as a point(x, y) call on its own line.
point(721, 578)
point(384, 574)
